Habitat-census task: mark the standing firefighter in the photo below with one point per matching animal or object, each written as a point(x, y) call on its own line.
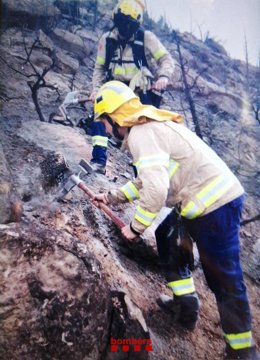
point(176, 168)
point(125, 53)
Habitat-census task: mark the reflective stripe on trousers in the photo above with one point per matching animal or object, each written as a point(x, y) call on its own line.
point(182, 287)
point(239, 341)
point(99, 140)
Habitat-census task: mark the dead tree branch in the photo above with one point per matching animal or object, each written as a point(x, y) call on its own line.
point(187, 88)
point(247, 221)
point(36, 80)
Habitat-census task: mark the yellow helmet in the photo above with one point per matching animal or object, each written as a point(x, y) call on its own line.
point(132, 8)
point(111, 96)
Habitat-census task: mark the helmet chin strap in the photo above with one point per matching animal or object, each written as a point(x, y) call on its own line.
point(114, 128)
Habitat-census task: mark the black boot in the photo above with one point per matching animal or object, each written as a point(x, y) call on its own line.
point(184, 309)
point(98, 168)
point(250, 353)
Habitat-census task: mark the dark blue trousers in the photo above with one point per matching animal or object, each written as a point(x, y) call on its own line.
point(99, 153)
point(217, 237)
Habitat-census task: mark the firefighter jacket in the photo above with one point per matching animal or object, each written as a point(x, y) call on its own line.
point(123, 67)
point(175, 167)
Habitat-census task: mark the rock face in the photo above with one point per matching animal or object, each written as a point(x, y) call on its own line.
point(57, 302)
point(70, 285)
point(30, 13)
point(73, 43)
point(31, 7)
point(51, 293)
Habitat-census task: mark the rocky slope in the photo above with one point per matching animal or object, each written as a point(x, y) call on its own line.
point(69, 282)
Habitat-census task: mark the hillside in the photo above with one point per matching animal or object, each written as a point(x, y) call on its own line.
point(68, 280)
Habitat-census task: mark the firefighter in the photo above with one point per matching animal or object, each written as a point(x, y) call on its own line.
point(126, 53)
point(177, 169)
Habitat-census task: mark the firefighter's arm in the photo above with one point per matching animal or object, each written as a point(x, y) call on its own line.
point(152, 165)
point(99, 73)
point(162, 57)
point(127, 193)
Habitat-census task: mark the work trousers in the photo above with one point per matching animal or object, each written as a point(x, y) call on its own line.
point(99, 152)
point(217, 237)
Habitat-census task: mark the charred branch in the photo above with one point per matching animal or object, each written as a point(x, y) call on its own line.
point(256, 110)
point(253, 219)
point(36, 80)
point(186, 87)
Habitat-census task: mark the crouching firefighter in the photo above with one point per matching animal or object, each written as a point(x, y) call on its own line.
point(177, 169)
point(125, 53)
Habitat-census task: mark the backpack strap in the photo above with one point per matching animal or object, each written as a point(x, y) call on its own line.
point(138, 49)
point(137, 45)
point(111, 46)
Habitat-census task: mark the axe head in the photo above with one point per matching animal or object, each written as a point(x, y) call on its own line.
point(86, 166)
point(83, 168)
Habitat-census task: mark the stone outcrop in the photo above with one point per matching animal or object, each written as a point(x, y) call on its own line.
point(30, 13)
point(73, 43)
point(32, 7)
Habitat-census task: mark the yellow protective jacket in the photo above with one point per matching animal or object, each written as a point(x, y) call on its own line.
point(174, 167)
point(159, 60)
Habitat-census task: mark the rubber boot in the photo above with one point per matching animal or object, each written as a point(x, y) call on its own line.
point(184, 309)
point(250, 353)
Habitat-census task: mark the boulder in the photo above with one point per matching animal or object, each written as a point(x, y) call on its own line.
point(32, 7)
point(65, 63)
point(30, 13)
point(73, 43)
point(54, 303)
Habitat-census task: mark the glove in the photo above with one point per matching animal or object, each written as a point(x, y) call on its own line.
point(161, 83)
point(142, 80)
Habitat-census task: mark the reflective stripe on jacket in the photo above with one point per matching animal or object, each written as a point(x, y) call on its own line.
point(130, 191)
point(125, 71)
point(176, 167)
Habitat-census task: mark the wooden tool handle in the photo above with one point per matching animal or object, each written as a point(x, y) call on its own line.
point(116, 220)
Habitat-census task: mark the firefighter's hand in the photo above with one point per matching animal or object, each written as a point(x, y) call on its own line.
point(93, 95)
point(128, 233)
point(100, 198)
point(161, 83)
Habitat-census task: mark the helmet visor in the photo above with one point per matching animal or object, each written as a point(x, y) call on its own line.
point(126, 25)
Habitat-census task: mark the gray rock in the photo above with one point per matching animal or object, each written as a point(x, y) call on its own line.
point(65, 63)
point(32, 7)
point(73, 43)
point(53, 303)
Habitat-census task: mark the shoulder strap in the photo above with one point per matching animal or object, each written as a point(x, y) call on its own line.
point(138, 49)
point(111, 45)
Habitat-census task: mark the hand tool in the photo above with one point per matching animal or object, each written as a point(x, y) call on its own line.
point(74, 180)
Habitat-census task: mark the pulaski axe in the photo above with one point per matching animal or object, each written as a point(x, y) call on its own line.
point(75, 180)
